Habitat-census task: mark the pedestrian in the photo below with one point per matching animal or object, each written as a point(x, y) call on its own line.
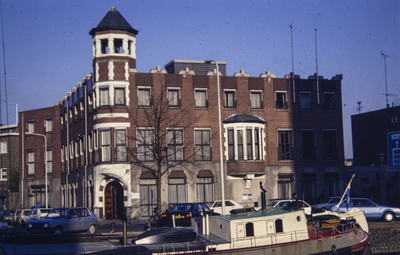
point(37, 206)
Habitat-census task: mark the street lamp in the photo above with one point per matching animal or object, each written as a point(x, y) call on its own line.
point(45, 162)
point(221, 163)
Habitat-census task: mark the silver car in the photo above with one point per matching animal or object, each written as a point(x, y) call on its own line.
point(62, 220)
point(370, 209)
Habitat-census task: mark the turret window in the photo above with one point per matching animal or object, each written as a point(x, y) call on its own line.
point(104, 96)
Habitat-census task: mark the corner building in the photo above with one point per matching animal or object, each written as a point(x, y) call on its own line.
point(286, 133)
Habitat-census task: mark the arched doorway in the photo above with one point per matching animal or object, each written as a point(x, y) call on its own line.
point(114, 200)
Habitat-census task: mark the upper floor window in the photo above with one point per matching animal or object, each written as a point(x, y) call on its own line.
point(3, 176)
point(30, 127)
point(145, 144)
point(119, 96)
point(144, 96)
point(200, 98)
point(30, 160)
point(329, 145)
point(307, 143)
point(3, 147)
point(175, 144)
point(104, 96)
point(173, 97)
point(285, 145)
point(49, 158)
point(329, 101)
point(202, 141)
point(48, 125)
point(120, 135)
point(256, 99)
point(229, 98)
point(105, 145)
point(245, 143)
point(281, 100)
point(305, 100)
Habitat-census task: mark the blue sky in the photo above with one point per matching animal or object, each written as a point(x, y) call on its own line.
point(48, 49)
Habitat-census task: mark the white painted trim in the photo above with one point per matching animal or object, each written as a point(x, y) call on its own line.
point(112, 125)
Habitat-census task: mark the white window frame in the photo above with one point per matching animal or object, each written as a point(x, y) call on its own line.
point(48, 125)
point(49, 159)
point(178, 99)
point(276, 99)
point(205, 91)
point(102, 90)
point(258, 92)
point(3, 147)
point(3, 176)
point(30, 160)
point(144, 104)
point(105, 148)
point(30, 126)
point(234, 99)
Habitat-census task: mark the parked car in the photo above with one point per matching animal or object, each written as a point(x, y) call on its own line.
point(3, 228)
point(19, 214)
point(183, 213)
point(229, 205)
point(289, 203)
point(61, 220)
point(35, 214)
point(325, 204)
point(6, 216)
point(370, 208)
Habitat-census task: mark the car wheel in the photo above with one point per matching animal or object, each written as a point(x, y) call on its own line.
point(92, 229)
point(388, 217)
point(58, 231)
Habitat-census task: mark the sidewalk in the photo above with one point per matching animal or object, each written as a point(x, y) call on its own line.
point(134, 227)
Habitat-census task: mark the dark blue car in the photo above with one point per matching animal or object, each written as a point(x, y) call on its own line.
point(183, 214)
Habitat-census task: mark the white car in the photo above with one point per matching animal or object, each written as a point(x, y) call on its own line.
point(229, 205)
point(290, 203)
point(35, 214)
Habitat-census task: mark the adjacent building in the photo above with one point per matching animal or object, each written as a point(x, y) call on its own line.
point(283, 133)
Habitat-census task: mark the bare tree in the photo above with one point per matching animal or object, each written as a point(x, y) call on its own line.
point(159, 142)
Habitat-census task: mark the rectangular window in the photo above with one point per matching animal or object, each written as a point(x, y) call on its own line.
point(120, 135)
point(200, 98)
point(144, 97)
point(331, 184)
point(249, 144)
point(145, 143)
point(148, 196)
point(30, 159)
point(229, 99)
point(3, 148)
point(308, 150)
point(281, 100)
point(256, 99)
point(3, 176)
point(257, 143)
point(30, 127)
point(305, 100)
point(329, 146)
point(119, 96)
point(285, 145)
point(173, 97)
point(38, 195)
point(240, 144)
point(284, 187)
point(104, 96)
point(176, 190)
point(49, 158)
point(205, 190)
point(308, 186)
point(175, 145)
point(329, 101)
point(105, 145)
point(48, 125)
point(231, 144)
point(202, 140)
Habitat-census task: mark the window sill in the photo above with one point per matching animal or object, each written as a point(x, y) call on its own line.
point(229, 108)
point(200, 108)
point(256, 109)
point(281, 109)
point(285, 160)
point(177, 107)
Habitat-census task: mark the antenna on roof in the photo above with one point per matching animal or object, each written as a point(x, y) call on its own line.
point(316, 61)
point(294, 88)
point(386, 94)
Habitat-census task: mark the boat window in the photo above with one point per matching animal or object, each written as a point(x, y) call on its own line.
point(278, 226)
point(249, 229)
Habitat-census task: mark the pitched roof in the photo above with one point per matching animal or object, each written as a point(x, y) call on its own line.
point(113, 21)
point(243, 117)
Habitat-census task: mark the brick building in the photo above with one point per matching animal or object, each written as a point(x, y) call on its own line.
point(283, 132)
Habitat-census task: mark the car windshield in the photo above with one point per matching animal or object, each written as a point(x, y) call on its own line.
point(27, 213)
point(334, 200)
point(180, 207)
point(60, 212)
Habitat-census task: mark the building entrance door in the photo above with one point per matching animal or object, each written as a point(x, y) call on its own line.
point(114, 200)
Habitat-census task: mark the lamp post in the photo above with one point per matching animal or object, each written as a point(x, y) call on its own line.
point(45, 162)
point(221, 163)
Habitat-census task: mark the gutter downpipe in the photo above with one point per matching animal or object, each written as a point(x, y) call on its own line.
point(68, 158)
point(22, 159)
point(86, 149)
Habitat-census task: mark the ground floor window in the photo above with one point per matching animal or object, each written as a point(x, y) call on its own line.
point(205, 190)
point(285, 187)
point(331, 184)
point(38, 195)
point(308, 185)
point(148, 196)
point(176, 190)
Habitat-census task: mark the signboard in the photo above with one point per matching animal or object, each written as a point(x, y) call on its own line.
point(394, 149)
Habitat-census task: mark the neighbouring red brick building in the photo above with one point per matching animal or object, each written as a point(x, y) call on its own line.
point(286, 133)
